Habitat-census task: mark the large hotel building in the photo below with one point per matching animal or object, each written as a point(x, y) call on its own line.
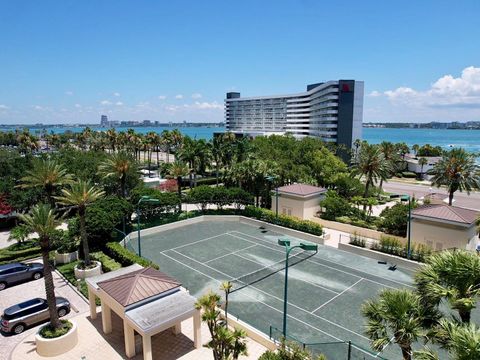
point(332, 111)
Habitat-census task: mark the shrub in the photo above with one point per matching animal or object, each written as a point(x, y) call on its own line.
point(357, 240)
point(334, 206)
point(48, 332)
point(394, 220)
point(284, 220)
point(126, 257)
point(390, 245)
point(19, 252)
point(108, 264)
point(409, 174)
point(220, 196)
point(64, 242)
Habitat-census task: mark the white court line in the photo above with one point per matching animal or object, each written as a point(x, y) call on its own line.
point(195, 242)
point(330, 267)
point(305, 281)
point(256, 300)
point(329, 301)
point(275, 297)
point(231, 253)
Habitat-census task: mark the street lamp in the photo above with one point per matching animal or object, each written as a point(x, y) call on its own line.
point(124, 236)
point(405, 198)
point(147, 200)
point(286, 243)
point(271, 179)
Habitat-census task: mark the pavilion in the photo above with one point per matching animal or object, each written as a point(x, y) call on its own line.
point(147, 300)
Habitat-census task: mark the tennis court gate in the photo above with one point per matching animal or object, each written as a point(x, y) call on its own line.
point(336, 350)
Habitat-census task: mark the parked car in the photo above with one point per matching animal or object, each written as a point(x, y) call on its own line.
point(18, 272)
point(17, 318)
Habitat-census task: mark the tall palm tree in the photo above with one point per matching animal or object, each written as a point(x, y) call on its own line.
point(167, 140)
point(117, 166)
point(188, 154)
point(391, 157)
point(178, 170)
point(80, 195)
point(48, 175)
point(112, 138)
point(415, 148)
point(226, 286)
point(371, 165)
point(457, 170)
point(396, 315)
point(453, 275)
point(461, 341)
point(422, 162)
point(43, 221)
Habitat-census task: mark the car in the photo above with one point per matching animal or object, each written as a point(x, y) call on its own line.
point(19, 317)
point(19, 272)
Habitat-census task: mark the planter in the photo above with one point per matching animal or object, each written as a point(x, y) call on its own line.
point(59, 345)
point(86, 273)
point(65, 258)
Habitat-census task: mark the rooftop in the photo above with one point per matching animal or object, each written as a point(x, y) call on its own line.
point(138, 285)
point(447, 213)
point(301, 189)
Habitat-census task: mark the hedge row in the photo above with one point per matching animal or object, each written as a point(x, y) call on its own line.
point(108, 264)
point(284, 220)
point(393, 246)
point(126, 257)
point(8, 254)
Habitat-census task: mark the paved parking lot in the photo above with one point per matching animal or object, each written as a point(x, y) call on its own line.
point(29, 290)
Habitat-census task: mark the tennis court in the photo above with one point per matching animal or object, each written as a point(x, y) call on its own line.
point(325, 290)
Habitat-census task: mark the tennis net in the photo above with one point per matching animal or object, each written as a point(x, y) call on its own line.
point(263, 273)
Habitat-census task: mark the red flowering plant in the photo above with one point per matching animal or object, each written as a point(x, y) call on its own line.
point(169, 186)
point(5, 208)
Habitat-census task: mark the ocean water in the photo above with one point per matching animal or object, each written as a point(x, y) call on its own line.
point(468, 139)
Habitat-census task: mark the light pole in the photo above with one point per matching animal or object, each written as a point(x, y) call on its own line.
point(148, 200)
point(409, 229)
point(288, 249)
point(270, 179)
point(124, 236)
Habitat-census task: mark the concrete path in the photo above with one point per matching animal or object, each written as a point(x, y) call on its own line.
point(93, 344)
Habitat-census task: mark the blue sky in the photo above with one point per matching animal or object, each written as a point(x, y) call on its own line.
point(70, 61)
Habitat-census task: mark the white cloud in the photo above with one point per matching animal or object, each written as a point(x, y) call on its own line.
point(116, 94)
point(207, 105)
point(179, 96)
point(69, 93)
point(119, 103)
point(38, 107)
point(375, 93)
point(78, 106)
point(447, 91)
point(162, 97)
point(106, 102)
point(3, 107)
point(143, 104)
point(196, 96)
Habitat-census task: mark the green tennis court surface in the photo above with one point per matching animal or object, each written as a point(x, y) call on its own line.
point(325, 290)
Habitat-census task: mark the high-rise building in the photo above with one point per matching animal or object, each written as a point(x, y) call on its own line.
point(332, 111)
point(104, 120)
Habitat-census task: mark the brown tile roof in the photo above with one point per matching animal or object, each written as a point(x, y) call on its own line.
point(446, 212)
point(138, 285)
point(301, 189)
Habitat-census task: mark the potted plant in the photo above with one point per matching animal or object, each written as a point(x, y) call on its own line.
point(66, 248)
point(51, 342)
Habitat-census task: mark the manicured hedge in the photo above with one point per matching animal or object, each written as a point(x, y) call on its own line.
point(283, 220)
point(126, 257)
point(108, 264)
point(19, 252)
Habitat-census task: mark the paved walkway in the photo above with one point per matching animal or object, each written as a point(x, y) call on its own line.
point(30, 290)
point(93, 344)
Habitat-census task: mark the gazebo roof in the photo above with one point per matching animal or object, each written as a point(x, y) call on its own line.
point(302, 190)
point(138, 285)
point(440, 212)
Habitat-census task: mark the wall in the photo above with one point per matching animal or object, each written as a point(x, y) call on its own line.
point(391, 259)
point(301, 208)
point(446, 235)
point(368, 233)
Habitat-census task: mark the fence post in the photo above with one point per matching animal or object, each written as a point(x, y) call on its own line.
point(349, 350)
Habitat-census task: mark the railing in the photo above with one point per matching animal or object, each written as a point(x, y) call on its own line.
point(336, 350)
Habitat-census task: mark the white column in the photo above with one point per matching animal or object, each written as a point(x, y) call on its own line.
point(177, 329)
point(106, 318)
point(147, 347)
point(197, 330)
point(129, 336)
point(93, 305)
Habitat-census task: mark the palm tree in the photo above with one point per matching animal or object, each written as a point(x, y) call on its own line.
point(117, 166)
point(391, 157)
point(396, 315)
point(167, 140)
point(461, 341)
point(415, 148)
point(112, 138)
point(178, 170)
point(453, 275)
point(188, 154)
point(422, 162)
point(80, 195)
point(48, 175)
point(226, 286)
point(27, 142)
point(457, 170)
point(372, 165)
point(43, 221)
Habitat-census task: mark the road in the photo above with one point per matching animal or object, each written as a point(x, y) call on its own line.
point(471, 201)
